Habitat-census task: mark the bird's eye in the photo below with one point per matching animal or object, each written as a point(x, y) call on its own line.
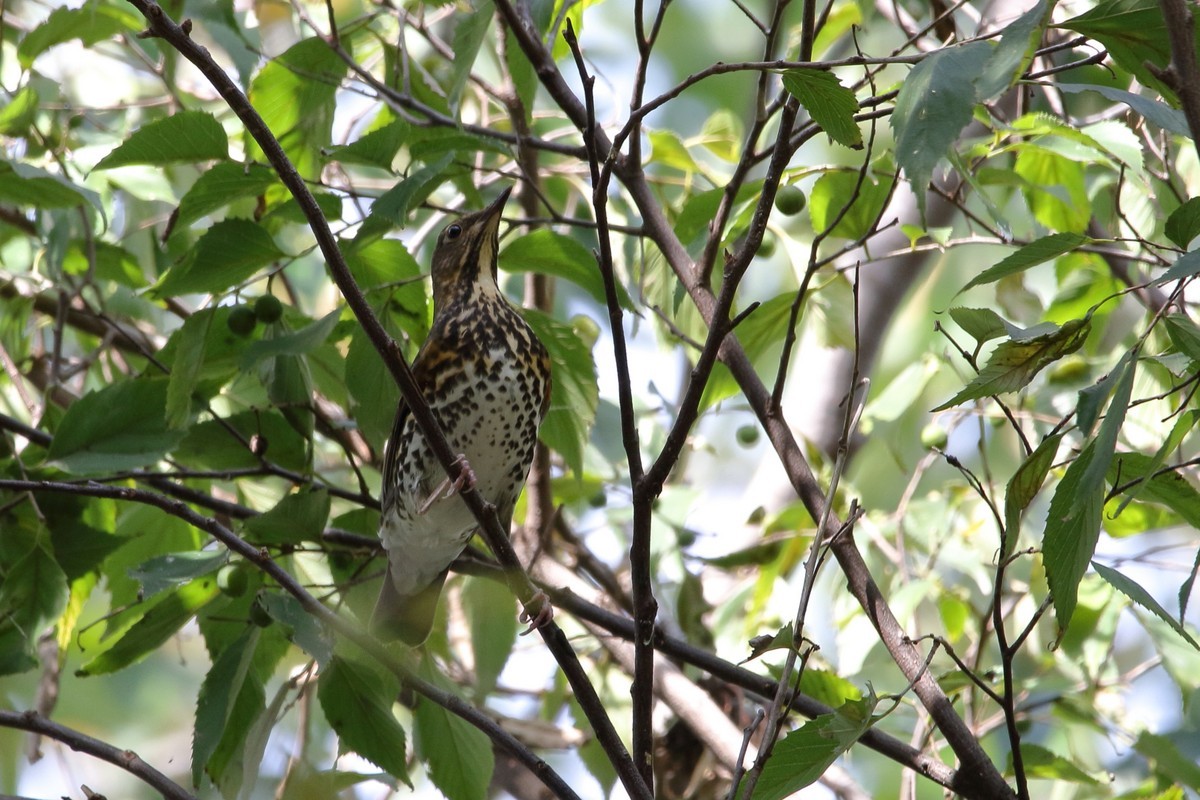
point(453, 232)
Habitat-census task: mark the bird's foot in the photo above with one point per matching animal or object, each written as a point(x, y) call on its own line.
point(448, 488)
point(538, 612)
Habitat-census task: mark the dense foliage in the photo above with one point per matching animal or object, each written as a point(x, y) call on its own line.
point(872, 452)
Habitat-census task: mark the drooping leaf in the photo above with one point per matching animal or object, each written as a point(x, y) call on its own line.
point(373, 393)
point(228, 253)
point(765, 326)
point(176, 569)
point(185, 136)
point(935, 103)
point(297, 343)
point(1169, 488)
point(1036, 252)
point(20, 112)
point(1159, 113)
point(186, 368)
point(91, 23)
point(549, 253)
point(1042, 763)
point(1134, 591)
point(458, 754)
point(1018, 42)
point(492, 613)
point(782, 639)
point(32, 593)
point(1073, 521)
point(298, 517)
point(470, 30)
point(158, 625)
point(357, 700)
point(802, 756)
point(122, 426)
point(1014, 363)
point(1184, 334)
point(1185, 266)
point(981, 324)
point(1024, 485)
point(574, 394)
point(1184, 223)
point(831, 105)
point(220, 688)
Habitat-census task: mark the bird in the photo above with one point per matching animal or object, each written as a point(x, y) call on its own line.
point(486, 377)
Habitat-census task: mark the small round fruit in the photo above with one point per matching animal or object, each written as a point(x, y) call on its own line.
point(934, 437)
point(790, 200)
point(1069, 370)
point(586, 329)
point(242, 320)
point(747, 435)
point(268, 309)
point(598, 500)
point(233, 580)
point(259, 615)
point(767, 248)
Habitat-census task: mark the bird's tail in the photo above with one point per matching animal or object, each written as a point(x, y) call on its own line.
point(407, 617)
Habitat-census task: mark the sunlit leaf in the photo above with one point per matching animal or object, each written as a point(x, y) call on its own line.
point(831, 105)
point(357, 700)
point(574, 394)
point(550, 253)
point(228, 253)
point(185, 136)
point(176, 569)
point(1036, 252)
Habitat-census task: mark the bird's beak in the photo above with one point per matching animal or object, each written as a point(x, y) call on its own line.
point(492, 212)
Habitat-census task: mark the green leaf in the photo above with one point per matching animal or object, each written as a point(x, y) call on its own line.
point(1186, 266)
point(459, 755)
point(549, 253)
point(298, 517)
point(33, 592)
point(981, 324)
point(1185, 424)
point(802, 757)
point(1169, 762)
point(120, 427)
point(26, 185)
point(1036, 252)
point(1184, 223)
point(377, 149)
point(220, 186)
point(935, 103)
point(373, 392)
point(1137, 594)
point(158, 625)
point(1013, 364)
point(209, 444)
point(1042, 763)
point(357, 700)
point(185, 136)
point(176, 569)
point(492, 612)
point(766, 325)
point(228, 253)
point(1184, 334)
point(305, 629)
point(722, 135)
point(298, 343)
point(1024, 485)
point(1018, 42)
point(1158, 113)
point(470, 29)
point(112, 263)
point(1170, 489)
point(295, 94)
point(187, 367)
point(833, 191)
point(391, 209)
point(1055, 190)
point(1073, 521)
point(574, 394)
point(831, 105)
point(19, 114)
point(93, 22)
point(215, 702)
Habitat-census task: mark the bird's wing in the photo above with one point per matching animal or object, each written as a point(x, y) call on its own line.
point(393, 453)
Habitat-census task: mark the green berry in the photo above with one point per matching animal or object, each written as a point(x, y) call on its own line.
point(242, 320)
point(790, 200)
point(767, 248)
point(233, 580)
point(259, 615)
point(268, 309)
point(934, 436)
point(747, 435)
point(1069, 370)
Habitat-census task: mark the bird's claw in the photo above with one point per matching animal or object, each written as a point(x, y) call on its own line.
point(541, 615)
point(446, 489)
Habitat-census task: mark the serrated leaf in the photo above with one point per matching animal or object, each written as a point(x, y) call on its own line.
point(185, 136)
point(1018, 42)
point(1170, 489)
point(1055, 188)
point(306, 631)
point(297, 343)
point(298, 517)
point(833, 191)
point(802, 757)
point(32, 594)
point(549, 253)
point(1161, 114)
point(1185, 266)
point(376, 149)
point(981, 324)
point(1073, 521)
point(215, 702)
point(1024, 485)
point(220, 186)
point(391, 208)
point(935, 103)
point(1014, 363)
point(1184, 334)
point(357, 700)
point(1042, 763)
point(1030, 255)
point(1184, 223)
point(1185, 424)
point(209, 445)
point(574, 394)
point(158, 625)
point(27, 185)
point(186, 368)
point(831, 105)
point(228, 253)
point(492, 612)
point(782, 639)
point(458, 754)
point(120, 427)
point(175, 569)
point(91, 23)
point(470, 29)
point(1134, 591)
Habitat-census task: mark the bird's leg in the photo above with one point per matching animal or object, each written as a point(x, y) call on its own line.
point(538, 612)
point(466, 480)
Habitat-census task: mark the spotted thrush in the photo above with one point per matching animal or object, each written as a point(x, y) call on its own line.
point(486, 377)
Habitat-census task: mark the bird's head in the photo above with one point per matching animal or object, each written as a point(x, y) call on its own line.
point(464, 259)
